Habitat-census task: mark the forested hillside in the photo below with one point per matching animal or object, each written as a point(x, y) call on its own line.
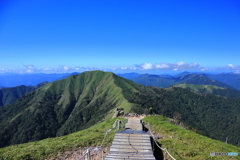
point(183, 144)
point(228, 78)
point(79, 101)
point(61, 107)
point(213, 116)
point(9, 95)
point(188, 78)
point(210, 89)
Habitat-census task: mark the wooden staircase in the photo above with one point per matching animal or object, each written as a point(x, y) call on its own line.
point(131, 143)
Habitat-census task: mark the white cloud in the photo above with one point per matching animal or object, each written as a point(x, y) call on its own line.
point(66, 68)
point(230, 66)
point(124, 67)
point(233, 68)
point(146, 66)
point(29, 69)
point(170, 66)
point(180, 63)
point(86, 68)
point(46, 69)
point(61, 68)
point(237, 71)
point(178, 66)
point(162, 66)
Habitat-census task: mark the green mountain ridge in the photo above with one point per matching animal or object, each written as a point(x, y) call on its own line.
point(189, 78)
point(80, 101)
point(213, 116)
point(210, 89)
point(11, 94)
point(181, 143)
point(61, 107)
point(52, 147)
point(228, 78)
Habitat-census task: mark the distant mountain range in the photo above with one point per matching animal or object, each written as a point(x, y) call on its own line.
point(162, 81)
point(198, 82)
point(80, 101)
point(230, 79)
point(210, 89)
point(13, 80)
point(129, 75)
point(9, 95)
point(62, 107)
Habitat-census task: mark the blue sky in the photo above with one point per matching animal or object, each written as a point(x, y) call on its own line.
point(146, 36)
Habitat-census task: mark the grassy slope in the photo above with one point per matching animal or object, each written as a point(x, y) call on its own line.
point(160, 81)
point(210, 89)
point(63, 107)
point(154, 80)
point(191, 145)
point(230, 79)
point(200, 80)
point(97, 85)
point(207, 113)
point(196, 88)
point(52, 146)
point(11, 94)
point(128, 87)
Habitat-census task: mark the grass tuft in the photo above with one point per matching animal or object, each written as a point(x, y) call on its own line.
point(50, 147)
point(184, 144)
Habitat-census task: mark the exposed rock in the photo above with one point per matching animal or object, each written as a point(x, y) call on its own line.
point(118, 112)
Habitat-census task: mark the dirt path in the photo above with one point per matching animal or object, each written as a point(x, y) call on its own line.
point(78, 153)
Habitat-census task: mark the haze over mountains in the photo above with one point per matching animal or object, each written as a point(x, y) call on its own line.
point(80, 101)
point(210, 89)
point(13, 79)
point(162, 81)
point(227, 78)
point(198, 82)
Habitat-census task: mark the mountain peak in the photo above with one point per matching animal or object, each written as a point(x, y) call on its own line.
point(80, 101)
point(65, 106)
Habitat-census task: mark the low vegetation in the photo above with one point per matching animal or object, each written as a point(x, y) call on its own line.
point(184, 144)
point(210, 89)
point(61, 107)
point(11, 94)
point(189, 78)
point(213, 116)
point(50, 147)
point(80, 101)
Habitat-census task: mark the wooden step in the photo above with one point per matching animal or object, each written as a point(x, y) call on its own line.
point(133, 143)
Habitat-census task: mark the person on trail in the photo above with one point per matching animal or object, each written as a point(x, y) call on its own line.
point(150, 110)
